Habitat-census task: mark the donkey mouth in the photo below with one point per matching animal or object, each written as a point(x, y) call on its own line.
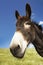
point(16, 54)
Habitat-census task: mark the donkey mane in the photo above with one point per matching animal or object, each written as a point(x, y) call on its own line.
point(38, 42)
point(39, 26)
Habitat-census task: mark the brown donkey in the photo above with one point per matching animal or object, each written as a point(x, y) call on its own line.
point(27, 31)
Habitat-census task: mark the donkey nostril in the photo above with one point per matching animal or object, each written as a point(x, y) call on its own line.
point(18, 46)
point(15, 50)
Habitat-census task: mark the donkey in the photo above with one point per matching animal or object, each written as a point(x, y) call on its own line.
point(27, 31)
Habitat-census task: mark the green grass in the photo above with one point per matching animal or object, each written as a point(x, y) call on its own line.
point(31, 58)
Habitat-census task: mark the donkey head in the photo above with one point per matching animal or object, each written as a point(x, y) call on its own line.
point(24, 33)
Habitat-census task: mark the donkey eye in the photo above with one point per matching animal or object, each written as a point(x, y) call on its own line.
point(27, 23)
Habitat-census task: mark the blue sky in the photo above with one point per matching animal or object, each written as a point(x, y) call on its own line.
point(8, 20)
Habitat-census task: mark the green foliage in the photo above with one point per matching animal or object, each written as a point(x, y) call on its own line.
point(30, 58)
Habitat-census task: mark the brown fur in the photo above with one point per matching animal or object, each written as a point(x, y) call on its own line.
point(35, 34)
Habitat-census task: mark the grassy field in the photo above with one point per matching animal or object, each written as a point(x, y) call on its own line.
point(31, 58)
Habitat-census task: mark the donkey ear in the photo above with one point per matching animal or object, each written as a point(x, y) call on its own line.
point(28, 10)
point(17, 14)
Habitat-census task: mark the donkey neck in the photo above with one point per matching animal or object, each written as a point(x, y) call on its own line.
point(38, 29)
point(38, 43)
